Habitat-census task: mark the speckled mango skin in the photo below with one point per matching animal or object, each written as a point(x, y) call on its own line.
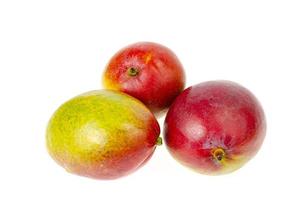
point(214, 116)
point(102, 134)
point(160, 75)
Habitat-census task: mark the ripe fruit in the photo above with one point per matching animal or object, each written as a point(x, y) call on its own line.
point(102, 134)
point(214, 127)
point(148, 71)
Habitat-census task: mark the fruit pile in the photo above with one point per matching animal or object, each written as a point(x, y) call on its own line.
point(213, 127)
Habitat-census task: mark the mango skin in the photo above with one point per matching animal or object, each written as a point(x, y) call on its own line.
point(158, 76)
point(102, 134)
point(215, 127)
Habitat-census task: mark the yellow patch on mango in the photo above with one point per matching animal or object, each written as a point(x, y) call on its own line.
point(147, 58)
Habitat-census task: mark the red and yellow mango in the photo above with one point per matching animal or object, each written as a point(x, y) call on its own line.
point(102, 134)
point(148, 71)
point(215, 127)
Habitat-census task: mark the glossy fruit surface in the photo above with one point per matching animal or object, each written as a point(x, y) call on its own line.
point(102, 134)
point(148, 71)
point(214, 127)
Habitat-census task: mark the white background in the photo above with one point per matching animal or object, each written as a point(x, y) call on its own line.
point(53, 50)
